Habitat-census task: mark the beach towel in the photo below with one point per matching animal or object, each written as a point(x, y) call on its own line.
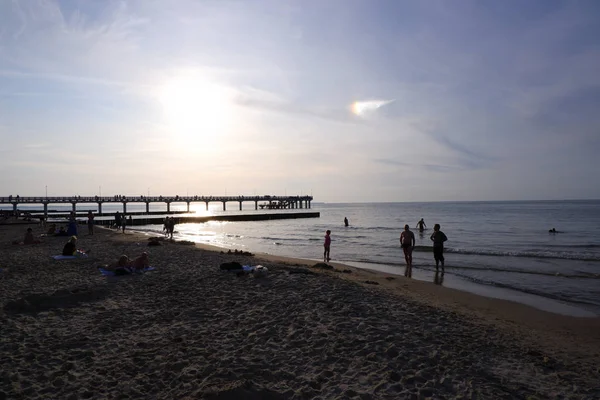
point(61, 257)
point(106, 272)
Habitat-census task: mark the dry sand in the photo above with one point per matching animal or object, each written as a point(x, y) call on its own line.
point(190, 330)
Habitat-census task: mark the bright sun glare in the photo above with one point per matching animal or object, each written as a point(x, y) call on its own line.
point(196, 109)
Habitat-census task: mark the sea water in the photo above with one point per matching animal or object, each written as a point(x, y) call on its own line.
point(496, 249)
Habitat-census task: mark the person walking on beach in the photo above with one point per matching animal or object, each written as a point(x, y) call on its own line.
point(407, 242)
point(345, 221)
point(327, 246)
point(421, 225)
point(117, 220)
point(90, 223)
point(438, 239)
point(123, 222)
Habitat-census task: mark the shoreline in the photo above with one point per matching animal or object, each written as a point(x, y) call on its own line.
point(451, 280)
point(188, 329)
point(470, 304)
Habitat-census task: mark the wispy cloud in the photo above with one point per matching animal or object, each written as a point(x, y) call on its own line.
point(364, 108)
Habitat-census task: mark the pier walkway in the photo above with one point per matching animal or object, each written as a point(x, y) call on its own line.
point(269, 202)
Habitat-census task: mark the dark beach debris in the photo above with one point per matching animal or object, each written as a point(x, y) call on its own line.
point(347, 271)
point(239, 253)
point(185, 242)
point(323, 266)
point(63, 298)
point(154, 241)
point(372, 282)
point(390, 278)
point(300, 271)
point(231, 266)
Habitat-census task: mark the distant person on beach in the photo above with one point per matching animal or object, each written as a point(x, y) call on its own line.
point(123, 222)
point(90, 223)
point(421, 225)
point(345, 221)
point(171, 227)
point(117, 220)
point(61, 232)
point(29, 239)
point(72, 225)
point(407, 242)
point(327, 246)
point(438, 239)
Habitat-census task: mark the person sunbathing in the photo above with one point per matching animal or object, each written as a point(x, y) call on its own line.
point(125, 265)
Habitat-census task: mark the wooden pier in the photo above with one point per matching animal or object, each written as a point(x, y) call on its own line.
point(268, 202)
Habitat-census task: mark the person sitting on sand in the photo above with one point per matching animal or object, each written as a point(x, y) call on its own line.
point(29, 239)
point(61, 232)
point(70, 248)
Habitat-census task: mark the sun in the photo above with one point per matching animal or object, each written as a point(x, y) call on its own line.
point(196, 109)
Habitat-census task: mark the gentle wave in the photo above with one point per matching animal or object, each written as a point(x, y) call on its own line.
point(528, 254)
point(526, 290)
point(579, 275)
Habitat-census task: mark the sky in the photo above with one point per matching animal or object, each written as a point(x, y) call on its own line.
point(345, 100)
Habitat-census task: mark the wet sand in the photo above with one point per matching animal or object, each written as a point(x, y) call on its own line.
point(190, 330)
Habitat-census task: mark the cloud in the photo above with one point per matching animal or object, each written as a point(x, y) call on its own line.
point(364, 108)
point(264, 100)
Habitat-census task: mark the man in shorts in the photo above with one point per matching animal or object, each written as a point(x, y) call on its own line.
point(407, 242)
point(438, 238)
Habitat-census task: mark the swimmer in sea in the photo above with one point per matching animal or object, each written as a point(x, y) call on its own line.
point(421, 225)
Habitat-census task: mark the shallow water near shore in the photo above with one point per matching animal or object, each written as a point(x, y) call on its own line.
point(495, 249)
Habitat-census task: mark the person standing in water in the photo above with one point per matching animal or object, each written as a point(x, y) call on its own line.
point(407, 242)
point(327, 246)
point(421, 225)
point(345, 221)
point(438, 239)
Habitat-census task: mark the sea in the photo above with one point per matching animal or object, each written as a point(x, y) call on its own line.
point(496, 249)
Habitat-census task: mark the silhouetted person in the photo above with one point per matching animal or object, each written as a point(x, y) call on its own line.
point(421, 225)
point(407, 242)
point(327, 246)
point(438, 237)
point(345, 221)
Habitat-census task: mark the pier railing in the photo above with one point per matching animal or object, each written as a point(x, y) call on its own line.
point(268, 202)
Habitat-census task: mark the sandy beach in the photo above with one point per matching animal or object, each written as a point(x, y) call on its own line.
point(190, 330)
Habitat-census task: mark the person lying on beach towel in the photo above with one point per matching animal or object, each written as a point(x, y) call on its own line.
point(70, 248)
point(125, 266)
